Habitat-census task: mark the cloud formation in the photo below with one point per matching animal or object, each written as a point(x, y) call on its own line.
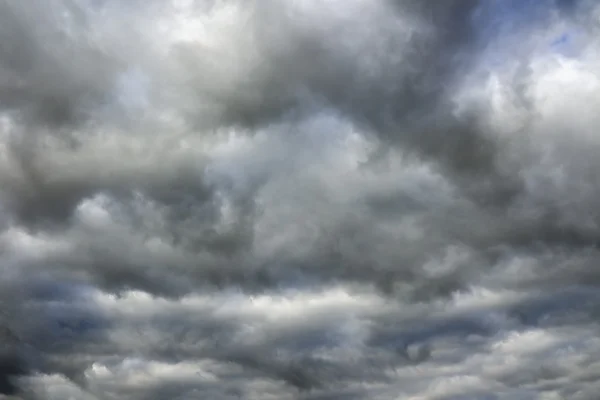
point(315, 199)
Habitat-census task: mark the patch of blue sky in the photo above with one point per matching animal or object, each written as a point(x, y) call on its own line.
point(568, 43)
point(498, 20)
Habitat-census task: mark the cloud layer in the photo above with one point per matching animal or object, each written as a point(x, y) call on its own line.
point(312, 199)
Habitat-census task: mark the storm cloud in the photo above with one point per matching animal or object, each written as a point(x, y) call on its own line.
point(307, 199)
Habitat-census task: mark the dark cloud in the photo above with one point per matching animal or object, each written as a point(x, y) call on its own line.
point(299, 200)
point(11, 367)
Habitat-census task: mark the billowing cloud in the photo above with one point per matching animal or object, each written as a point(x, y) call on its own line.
point(313, 199)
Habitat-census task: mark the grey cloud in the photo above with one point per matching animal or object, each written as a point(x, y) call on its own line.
point(11, 364)
point(298, 200)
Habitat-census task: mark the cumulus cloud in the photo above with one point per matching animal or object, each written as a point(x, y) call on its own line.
point(313, 199)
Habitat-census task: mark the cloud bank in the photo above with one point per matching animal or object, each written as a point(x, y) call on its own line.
point(312, 199)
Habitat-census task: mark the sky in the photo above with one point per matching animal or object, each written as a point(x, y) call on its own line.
point(299, 200)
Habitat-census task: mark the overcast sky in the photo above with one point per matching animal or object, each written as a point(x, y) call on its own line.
point(299, 199)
